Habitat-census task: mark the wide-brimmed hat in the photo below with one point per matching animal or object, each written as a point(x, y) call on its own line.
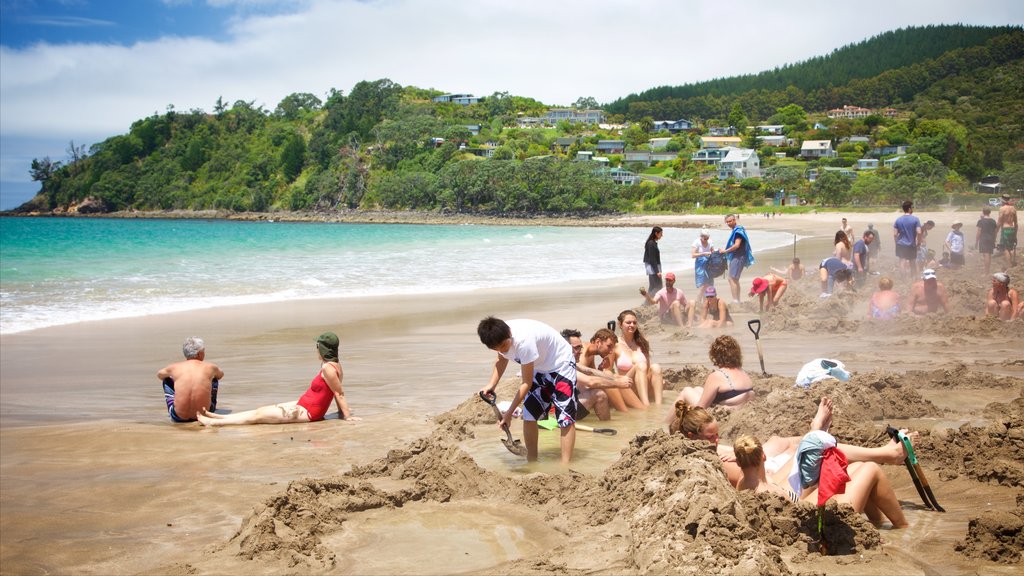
point(759, 285)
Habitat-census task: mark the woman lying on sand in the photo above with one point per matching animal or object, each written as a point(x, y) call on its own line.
point(310, 407)
point(727, 385)
point(696, 423)
point(868, 491)
point(633, 360)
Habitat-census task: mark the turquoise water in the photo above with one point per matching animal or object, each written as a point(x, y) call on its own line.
point(56, 271)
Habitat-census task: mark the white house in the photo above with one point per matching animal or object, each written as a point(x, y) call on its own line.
point(771, 129)
point(739, 163)
point(719, 141)
point(673, 126)
point(461, 99)
point(817, 149)
point(867, 164)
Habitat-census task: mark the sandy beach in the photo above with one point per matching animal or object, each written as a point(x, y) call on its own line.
point(97, 481)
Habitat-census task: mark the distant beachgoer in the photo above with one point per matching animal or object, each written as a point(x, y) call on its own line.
point(312, 406)
point(190, 385)
point(906, 233)
point(832, 270)
point(1003, 302)
point(548, 377)
point(955, 245)
point(795, 270)
point(633, 359)
point(925, 254)
point(841, 247)
point(672, 304)
point(771, 285)
point(740, 255)
point(862, 258)
point(591, 383)
point(885, 302)
point(985, 238)
point(727, 385)
point(702, 249)
point(927, 295)
point(847, 230)
point(876, 245)
point(652, 259)
point(715, 312)
point(1007, 224)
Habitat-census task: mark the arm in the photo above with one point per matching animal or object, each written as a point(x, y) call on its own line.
point(977, 238)
point(165, 372)
point(723, 313)
point(643, 292)
point(707, 396)
point(521, 392)
point(333, 379)
point(944, 299)
point(857, 262)
point(594, 379)
point(1014, 303)
point(499, 369)
point(736, 245)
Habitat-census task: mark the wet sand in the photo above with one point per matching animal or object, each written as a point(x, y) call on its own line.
point(95, 480)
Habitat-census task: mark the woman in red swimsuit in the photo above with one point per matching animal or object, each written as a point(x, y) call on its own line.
point(310, 407)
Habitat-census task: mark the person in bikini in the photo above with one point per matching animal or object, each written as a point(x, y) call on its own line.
point(1003, 302)
point(597, 390)
point(885, 302)
point(697, 423)
point(770, 288)
point(715, 312)
point(190, 385)
point(633, 359)
point(312, 406)
point(727, 385)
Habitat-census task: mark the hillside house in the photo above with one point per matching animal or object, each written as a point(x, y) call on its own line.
point(658, 143)
point(813, 173)
point(720, 131)
point(461, 99)
point(773, 140)
point(562, 145)
point(849, 112)
point(719, 141)
point(867, 164)
point(611, 146)
point(673, 126)
point(573, 116)
point(890, 162)
point(739, 163)
point(709, 156)
point(770, 129)
point(622, 176)
point(817, 149)
point(649, 157)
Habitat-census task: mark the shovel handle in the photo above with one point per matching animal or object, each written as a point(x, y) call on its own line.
point(751, 324)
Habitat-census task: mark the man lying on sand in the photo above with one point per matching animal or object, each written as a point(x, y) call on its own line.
point(190, 385)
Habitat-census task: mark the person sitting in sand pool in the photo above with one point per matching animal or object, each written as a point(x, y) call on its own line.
point(771, 285)
point(190, 385)
point(672, 304)
point(868, 491)
point(795, 270)
point(927, 295)
point(595, 387)
point(697, 423)
point(633, 359)
point(885, 302)
point(1003, 302)
point(715, 312)
point(310, 407)
point(727, 385)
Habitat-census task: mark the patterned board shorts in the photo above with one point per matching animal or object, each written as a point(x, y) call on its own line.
point(551, 389)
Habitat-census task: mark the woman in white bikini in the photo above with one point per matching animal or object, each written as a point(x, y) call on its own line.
point(633, 359)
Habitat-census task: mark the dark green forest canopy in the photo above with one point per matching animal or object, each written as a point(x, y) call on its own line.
point(957, 91)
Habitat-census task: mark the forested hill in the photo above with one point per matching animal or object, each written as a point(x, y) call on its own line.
point(952, 118)
point(867, 59)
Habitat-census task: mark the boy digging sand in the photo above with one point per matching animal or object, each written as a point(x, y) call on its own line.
point(548, 376)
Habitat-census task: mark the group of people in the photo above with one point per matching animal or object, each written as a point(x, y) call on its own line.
point(191, 385)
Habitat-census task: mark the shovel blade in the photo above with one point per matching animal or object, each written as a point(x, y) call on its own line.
point(514, 446)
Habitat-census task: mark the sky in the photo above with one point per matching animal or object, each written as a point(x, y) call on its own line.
point(83, 70)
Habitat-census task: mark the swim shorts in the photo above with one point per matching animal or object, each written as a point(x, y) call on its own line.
point(551, 389)
point(169, 399)
point(735, 268)
point(1008, 238)
point(904, 252)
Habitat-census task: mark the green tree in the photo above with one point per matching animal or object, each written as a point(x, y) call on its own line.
point(831, 189)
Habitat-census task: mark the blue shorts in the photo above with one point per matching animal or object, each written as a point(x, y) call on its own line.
point(552, 389)
point(735, 268)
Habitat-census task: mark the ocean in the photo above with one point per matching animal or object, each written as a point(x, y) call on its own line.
point(56, 271)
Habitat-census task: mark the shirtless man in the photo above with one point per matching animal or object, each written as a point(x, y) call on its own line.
point(1007, 231)
point(1003, 301)
point(928, 295)
point(794, 271)
point(591, 382)
point(190, 385)
point(593, 362)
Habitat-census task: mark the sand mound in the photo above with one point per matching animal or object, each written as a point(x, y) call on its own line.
point(997, 536)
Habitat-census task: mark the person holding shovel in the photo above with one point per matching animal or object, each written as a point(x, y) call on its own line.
point(548, 377)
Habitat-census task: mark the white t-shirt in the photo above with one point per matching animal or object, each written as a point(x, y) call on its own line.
point(536, 342)
point(956, 242)
point(702, 248)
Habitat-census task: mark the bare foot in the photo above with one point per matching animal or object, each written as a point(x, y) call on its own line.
point(204, 418)
point(823, 417)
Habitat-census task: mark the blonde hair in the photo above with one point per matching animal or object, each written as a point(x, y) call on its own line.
point(885, 283)
point(748, 451)
point(689, 420)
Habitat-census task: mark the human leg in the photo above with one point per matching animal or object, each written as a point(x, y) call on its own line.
point(640, 383)
point(656, 383)
point(735, 270)
point(530, 438)
point(691, 394)
point(869, 489)
point(992, 307)
point(567, 442)
point(602, 406)
point(677, 314)
point(779, 292)
point(283, 413)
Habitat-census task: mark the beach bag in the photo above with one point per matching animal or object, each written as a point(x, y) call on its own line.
point(717, 265)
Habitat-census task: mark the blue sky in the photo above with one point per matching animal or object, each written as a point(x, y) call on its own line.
point(84, 70)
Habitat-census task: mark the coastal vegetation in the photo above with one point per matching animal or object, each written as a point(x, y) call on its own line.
point(953, 96)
